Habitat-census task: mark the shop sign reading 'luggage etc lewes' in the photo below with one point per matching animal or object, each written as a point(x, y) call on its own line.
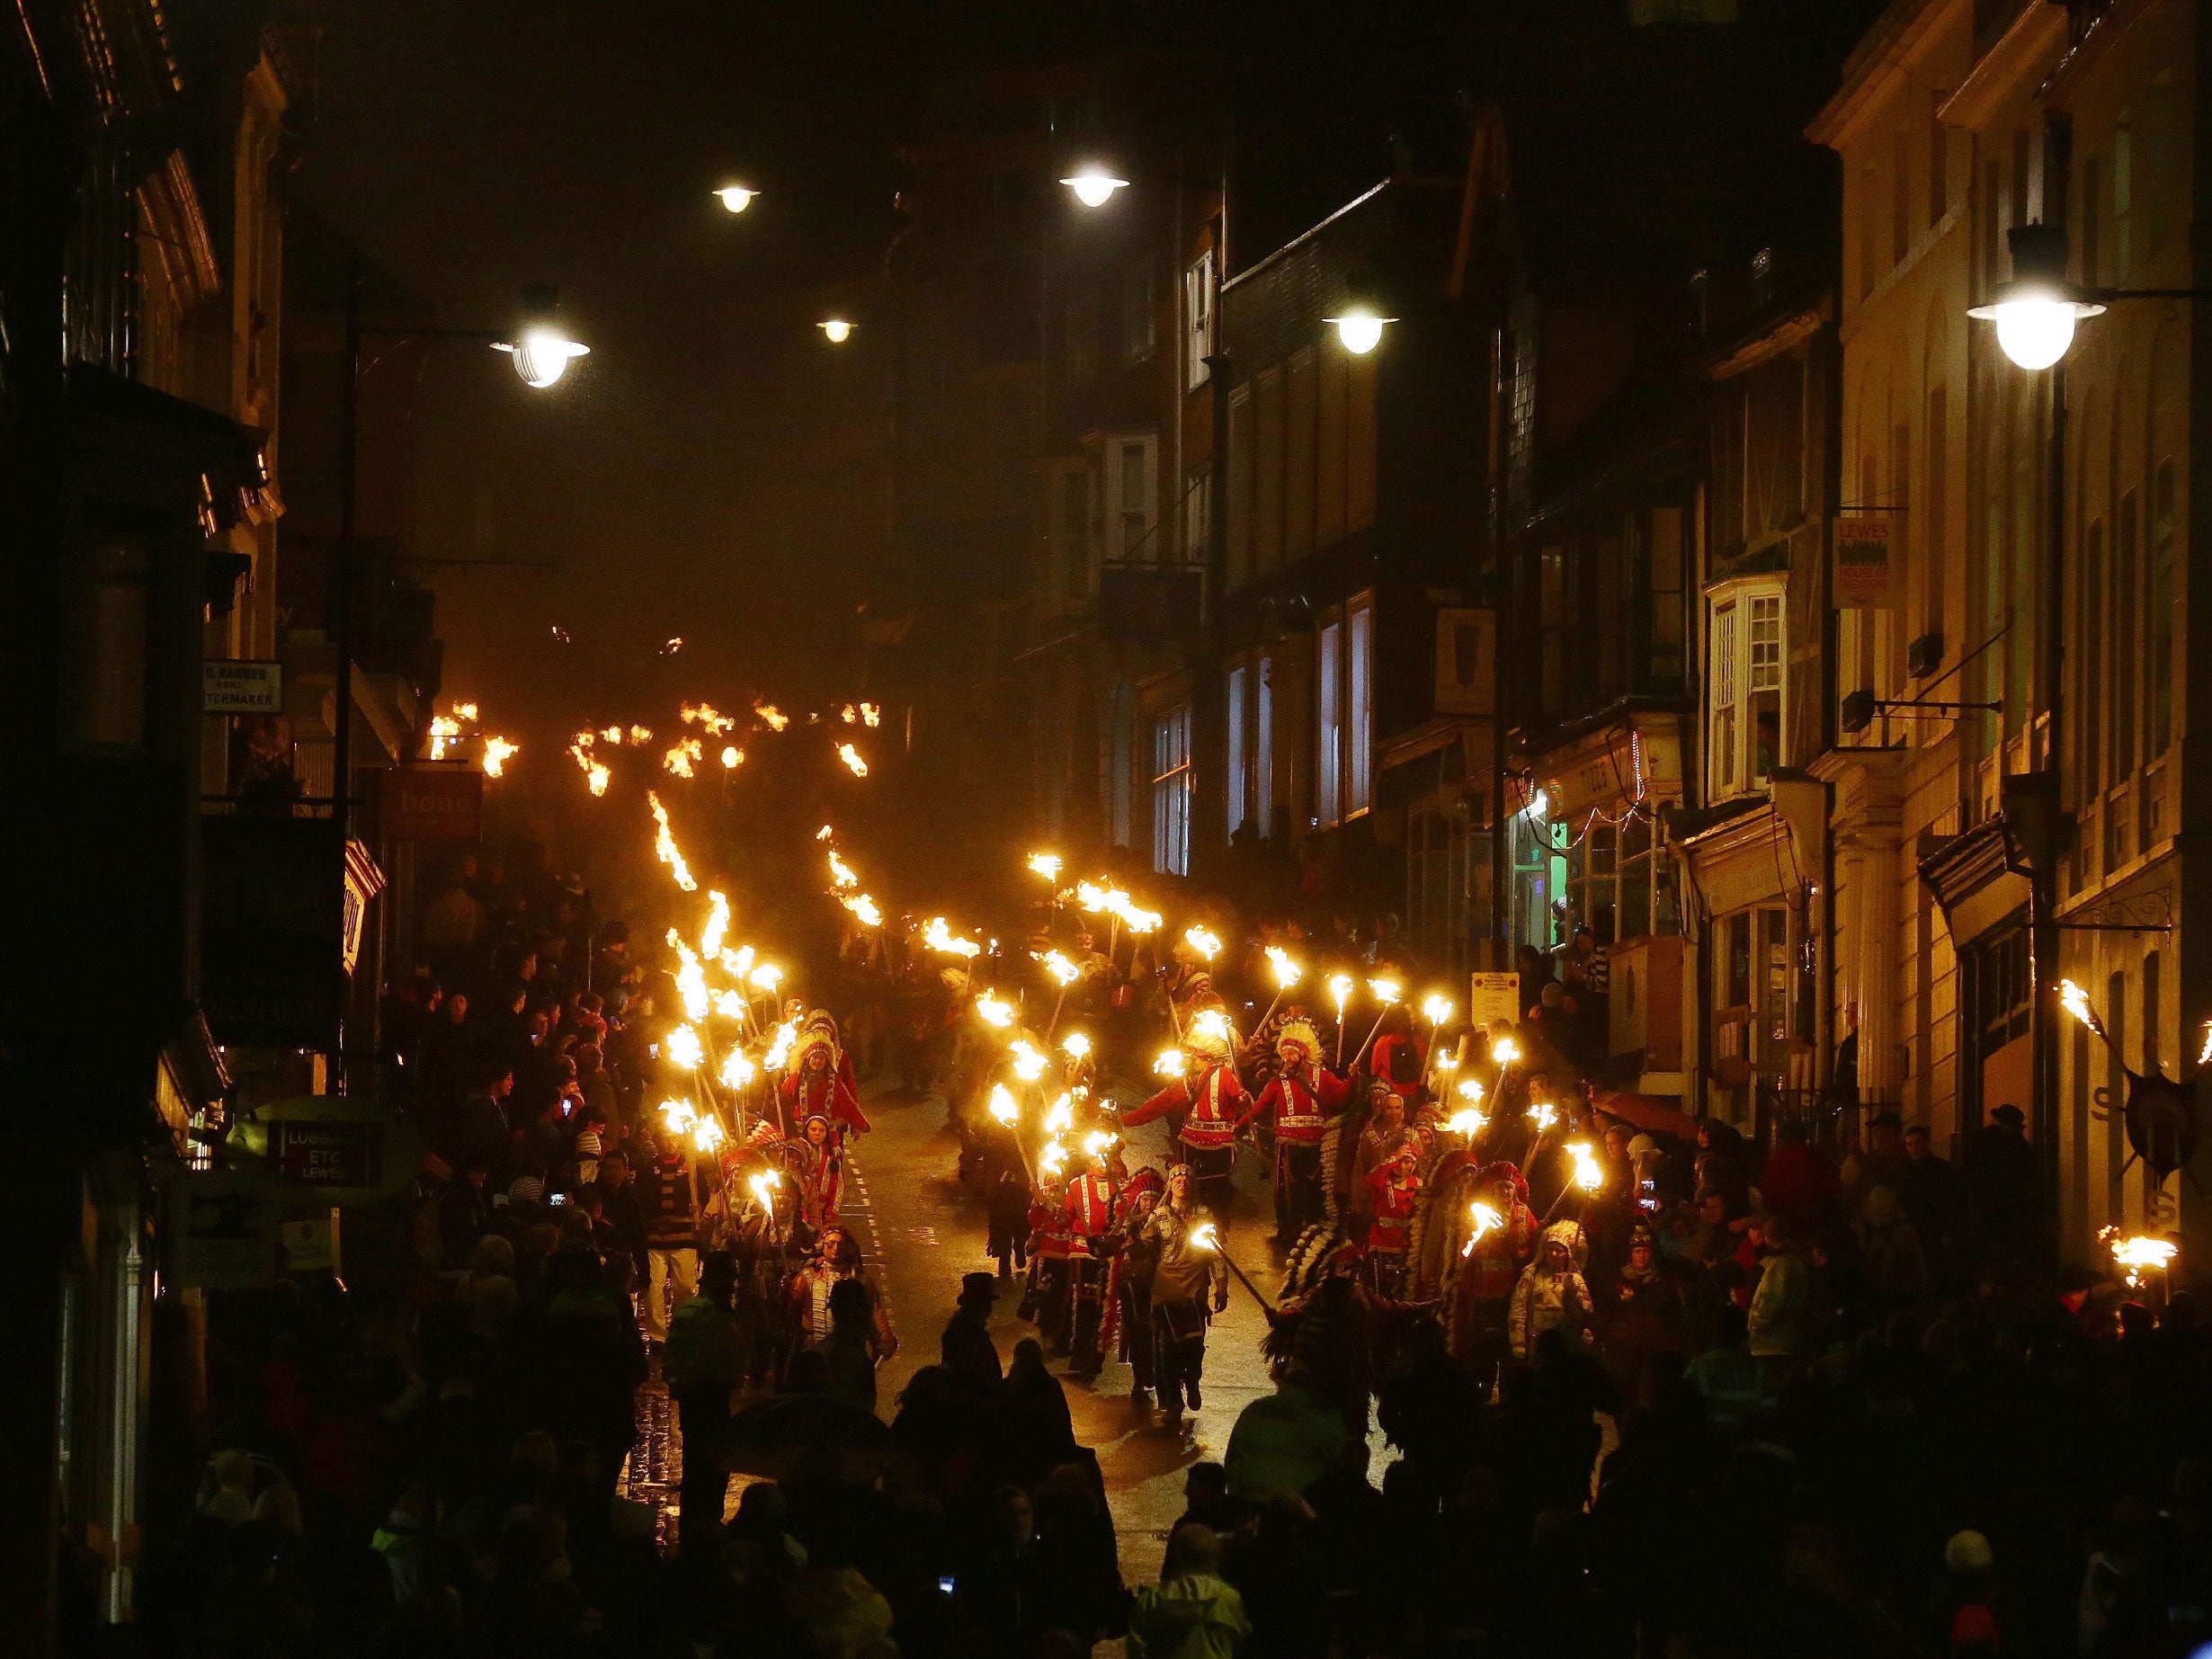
point(1862, 562)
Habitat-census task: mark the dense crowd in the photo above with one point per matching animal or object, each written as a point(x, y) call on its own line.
point(1645, 1385)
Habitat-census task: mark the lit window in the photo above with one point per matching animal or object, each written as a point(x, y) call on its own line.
point(1746, 719)
point(1197, 312)
point(1238, 677)
point(1329, 737)
point(1359, 708)
point(1171, 792)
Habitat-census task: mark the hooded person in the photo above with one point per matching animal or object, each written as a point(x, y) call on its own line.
point(1297, 1104)
point(1551, 1293)
point(1211, 1102)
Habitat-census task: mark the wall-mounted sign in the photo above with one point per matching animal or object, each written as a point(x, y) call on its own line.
point(1862, 570)
point(1494, 998)
point(242, 688)
point(222, 1230)
point(433, 803)
point(1466, 661)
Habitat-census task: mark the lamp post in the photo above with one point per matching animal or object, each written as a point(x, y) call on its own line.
point(541, 353)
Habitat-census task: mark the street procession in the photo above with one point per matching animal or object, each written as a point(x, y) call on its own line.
point(1142, 832)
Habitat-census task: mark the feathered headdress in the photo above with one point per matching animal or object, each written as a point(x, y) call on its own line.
point(1299, 1036)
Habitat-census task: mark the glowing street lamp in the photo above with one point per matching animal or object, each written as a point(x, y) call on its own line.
point(735, 198)
point(2036, 311)
point(542, 353)
point(836, 330)
point(1359, 328)
point(1094, 187)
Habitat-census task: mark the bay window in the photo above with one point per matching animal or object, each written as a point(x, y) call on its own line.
point(1171, 792)
point(1744, 720)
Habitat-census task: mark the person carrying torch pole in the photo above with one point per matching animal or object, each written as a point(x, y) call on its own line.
point(1189, 1286)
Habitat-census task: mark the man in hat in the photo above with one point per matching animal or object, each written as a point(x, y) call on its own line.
point(1133, 1267)
point(817, 1085)
point(965, 1349)
point(1213, 1102)
point(1190, 1284)
point(1087, 1209)
point(2002, 1183)
point(1298, 1104)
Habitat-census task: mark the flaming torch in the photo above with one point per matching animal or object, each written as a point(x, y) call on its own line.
point(664, 846)
point(995, 1010)
point(1286, 974)
point(1483, 1219)
point(2139, 1254)
point(1045, 864)
point(1386, 992)
point(1339, 988)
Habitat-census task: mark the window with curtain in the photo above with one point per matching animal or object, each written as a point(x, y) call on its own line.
point(1329, 736)
point(1360, 708)
point(1171, 792)
point(1239, 678)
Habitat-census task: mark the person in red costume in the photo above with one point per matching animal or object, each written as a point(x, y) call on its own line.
point(1212, 1102)
point(816, 1087)
point(817, 1163)
point(1394, 1191)
point(1087, 1207)
point(1298, 1104)
point(1490, 1267)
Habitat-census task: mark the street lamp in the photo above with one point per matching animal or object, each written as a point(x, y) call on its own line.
point(2036, 311)
point(735, 198)
point(1094, 187)
point(1359, 328)
point(541, 350)
point(836, 330)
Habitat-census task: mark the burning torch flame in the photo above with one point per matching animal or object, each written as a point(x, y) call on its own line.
point(1060, 1116)
point(664, 846)
point(940, 938)
point(780, 1050)
point(677, 1116)
point(1589, 1174)
point(1471, 1092)
point(1544, 1115)
point(1076, 1045)
point(851, 756)
point(718, 923)
point(597, 776)
point(763, 1188)
point(2137, 1255)
point(1171, 1063)
point(733, 757)
point(767, 977)
point(1062, 971)
point(708, 1134)
point(1204, 1237)
point(496, 753)
point(1097, 1144)
point(444, 729)
point(612, 734)
point(1045, 864)
point(1339, 987)
point(773, 717)
point(1090, 896)
point(641, 734)
point(730, 1005)
point(1287, 972)
point(1203, 940)
point(738, 1072)
point(1213, 1025)
point(865, 908)
point(684, 1047)
point(467, 711)
point(1482, 1220)
point(1052, 1160)
point(994, 1011)
point(1003, 1107)
point(1505, 1051)
point(683, 759)
point(825, 833)
point(1467, 1122)
point(738, 964)
point(1028, 1063)
point(2075, 1001)
point(1386, 991)
point(707, 715)
point(692, 985)
point(841, 872)
point(1437, 1010)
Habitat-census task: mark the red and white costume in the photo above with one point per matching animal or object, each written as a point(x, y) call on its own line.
point(1087, 1212)
point(1299, 1103)
point(1215, 1100)
point(806, 1093)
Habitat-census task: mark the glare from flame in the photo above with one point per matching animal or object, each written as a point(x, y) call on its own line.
point(2204, 1055)
point(865, 908)
point(1589, 1173)
point(1060, 1116)
point(1505, 1051)
point(738, 1071)
point(2139, 1253)
point(1076, 1045)
point(1003, 1107)
point(1090, 896)
point(1213, 1025)
point(1052, 1160)
point(994, 1011)
point(708, 1134)
point(1386, 991)
point(496, 752)
point(706, 715)
point(841, 872)
point(733, 757)
point(1339, 987)
point(2076, 1002)
point(664, 846)
point(767, 977)
point(851, 756)
point(779, 1048)
point(684, 1047)
point(1287, 972)
point(938, 936)
point(1448, 1061)
point(1544, 1115)
point(718, 923)
point(1204, 941)
point(1097, 1144)
point(677, 1116)
point(1062, 971)
point(1467, 1122)
point(1436, 1010)
point(730, 1005)
point(1170, 1063)
point(738, 964)
point(771, 717)
point(684, 759)
point(1204, 1237)
point(692, 985)
point(1483, 1219)
point(1028, 1063)
point(1045, 864)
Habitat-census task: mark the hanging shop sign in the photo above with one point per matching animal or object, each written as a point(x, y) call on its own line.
point(1466, 661)
point(433, 803)
point(1494, 998)
point(222, 1228)
point(334, 1149)
point(241, 688)
point(1862, 563)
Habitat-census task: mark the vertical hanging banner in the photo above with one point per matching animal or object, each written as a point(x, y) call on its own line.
point(1862, 563)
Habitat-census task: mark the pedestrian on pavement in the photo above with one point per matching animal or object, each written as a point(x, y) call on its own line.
point(849, 1353)
point(1190, 1284)
point(671, 1206)
point(1194, 1614)
point(703, 1361)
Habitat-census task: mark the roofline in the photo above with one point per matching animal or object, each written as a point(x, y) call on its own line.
point(1879, 49)
point(1306, 235)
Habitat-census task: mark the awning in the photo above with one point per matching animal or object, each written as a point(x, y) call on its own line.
point(1643, 1111)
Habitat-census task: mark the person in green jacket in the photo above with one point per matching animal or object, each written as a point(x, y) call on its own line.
point(1781, 1308)
point(1194, 1613)
point(704, 1359)
point(1283, 1441)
